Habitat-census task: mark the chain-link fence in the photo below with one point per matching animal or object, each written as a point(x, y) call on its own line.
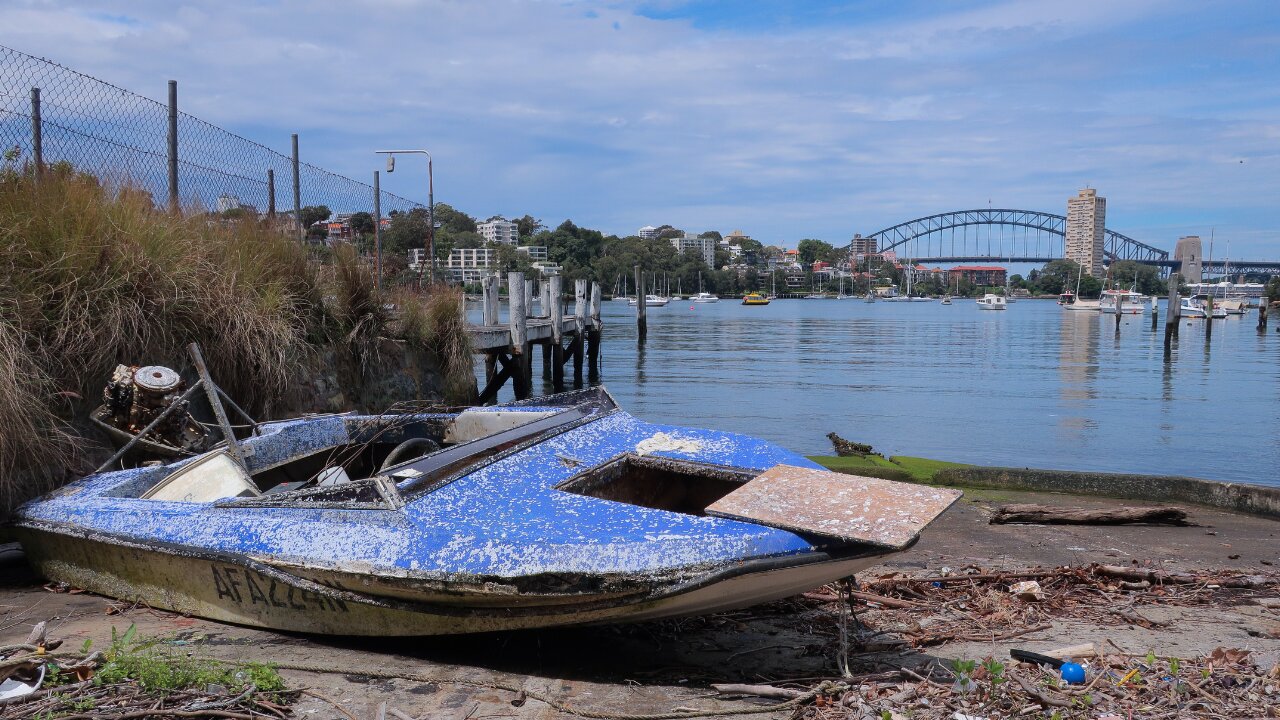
point(55, 114)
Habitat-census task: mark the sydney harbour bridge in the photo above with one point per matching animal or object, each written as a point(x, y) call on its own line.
point(1026, 236)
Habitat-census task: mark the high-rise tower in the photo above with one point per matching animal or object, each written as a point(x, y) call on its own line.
point(1086, 229)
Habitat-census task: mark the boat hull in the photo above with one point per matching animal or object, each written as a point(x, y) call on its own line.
point(243, 591)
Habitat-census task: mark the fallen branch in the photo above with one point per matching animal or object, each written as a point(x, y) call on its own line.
point(885, 601)
point(1127, 515)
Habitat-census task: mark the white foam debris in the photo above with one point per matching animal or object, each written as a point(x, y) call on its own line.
point(665, 442)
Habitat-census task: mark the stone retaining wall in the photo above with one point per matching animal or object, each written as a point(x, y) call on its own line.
point(1253, 499)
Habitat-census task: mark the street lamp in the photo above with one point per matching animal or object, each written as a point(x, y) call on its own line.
point(431, 199)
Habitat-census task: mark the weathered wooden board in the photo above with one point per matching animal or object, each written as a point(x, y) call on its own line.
point(877, 512)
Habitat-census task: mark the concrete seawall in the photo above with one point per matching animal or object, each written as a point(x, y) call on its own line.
point(1252, 499)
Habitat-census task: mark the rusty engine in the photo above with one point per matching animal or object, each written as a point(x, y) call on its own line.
point(136, 396)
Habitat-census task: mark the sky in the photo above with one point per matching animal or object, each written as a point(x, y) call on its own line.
point(786, 119)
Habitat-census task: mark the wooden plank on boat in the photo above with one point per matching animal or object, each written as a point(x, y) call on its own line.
point(852, 508)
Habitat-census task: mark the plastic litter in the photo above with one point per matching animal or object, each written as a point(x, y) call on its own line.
point(1072, 673)
point(13, 687)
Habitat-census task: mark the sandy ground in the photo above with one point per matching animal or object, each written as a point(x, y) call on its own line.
point(655, 667)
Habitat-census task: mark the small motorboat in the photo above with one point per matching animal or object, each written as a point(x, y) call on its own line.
point(557, 511)
point(755, 299)
point(991, 302)
point(1129, 302)
point(651, 301)
point(1195, 307)
point(946, 300)
point(705, 297)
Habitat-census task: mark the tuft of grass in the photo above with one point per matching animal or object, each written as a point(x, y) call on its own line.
point(158, 668)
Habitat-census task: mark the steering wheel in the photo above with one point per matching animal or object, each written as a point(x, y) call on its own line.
point(404, 449)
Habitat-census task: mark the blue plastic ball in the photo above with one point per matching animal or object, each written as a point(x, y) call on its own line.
point(1072, 673)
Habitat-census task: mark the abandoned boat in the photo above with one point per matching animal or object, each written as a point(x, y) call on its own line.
point(557, 511)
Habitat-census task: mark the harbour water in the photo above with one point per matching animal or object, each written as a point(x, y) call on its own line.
point(1031, 386)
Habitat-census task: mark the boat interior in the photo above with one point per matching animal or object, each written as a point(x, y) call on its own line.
point(354, 461)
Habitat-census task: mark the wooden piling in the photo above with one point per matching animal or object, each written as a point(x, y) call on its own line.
point(488, 318)
point(491, 299)
point(518, 325)
point(1119, 310)
point(1155, 312)
point(1173, 309)
point(642, 322)
point(593, 334)
point(1208, 318)
point(580, 328)
point(1262, 314)
point(557, 332)
point(544, 298)
point(528, 298)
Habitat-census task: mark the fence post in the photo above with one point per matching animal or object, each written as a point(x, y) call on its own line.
point(271, 194)
point(174, 205)
point(377, 229)
point(297, 192)
point(37, 143)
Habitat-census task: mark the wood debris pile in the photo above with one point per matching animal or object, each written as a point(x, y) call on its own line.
point(1225, 683)
point(981, 605)
point(928, 612)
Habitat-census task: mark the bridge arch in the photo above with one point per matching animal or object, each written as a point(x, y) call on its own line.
point(933, 237)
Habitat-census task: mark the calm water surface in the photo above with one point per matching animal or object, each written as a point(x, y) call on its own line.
point(1030, 386)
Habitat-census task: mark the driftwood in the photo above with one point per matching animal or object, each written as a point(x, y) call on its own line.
point(1050, 515)
point(766, 691)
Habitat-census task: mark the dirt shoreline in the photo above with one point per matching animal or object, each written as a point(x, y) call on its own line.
point(655, 667)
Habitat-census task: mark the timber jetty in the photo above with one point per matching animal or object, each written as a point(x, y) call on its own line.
point(507, 347)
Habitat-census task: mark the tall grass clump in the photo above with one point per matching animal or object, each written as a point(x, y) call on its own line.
point(436, 323)
point(360, 315)
point(91, 277)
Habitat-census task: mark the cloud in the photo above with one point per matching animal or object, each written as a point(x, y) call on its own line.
point(822, 123)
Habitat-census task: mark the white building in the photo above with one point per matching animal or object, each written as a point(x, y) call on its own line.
point(1086, 230)
point(648, 232)
point(536, 253)
point(227, 202)
point(704, 247)
point(469, 265)
point(499, 231)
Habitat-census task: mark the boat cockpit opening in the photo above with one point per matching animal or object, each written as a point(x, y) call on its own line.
point(378, 462)
point(658, 483)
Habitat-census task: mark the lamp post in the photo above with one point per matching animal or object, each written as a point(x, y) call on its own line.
point(431, 199)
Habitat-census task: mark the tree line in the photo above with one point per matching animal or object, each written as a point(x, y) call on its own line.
point(583, 253)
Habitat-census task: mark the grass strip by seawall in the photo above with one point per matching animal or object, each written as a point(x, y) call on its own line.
point(1257, 500)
